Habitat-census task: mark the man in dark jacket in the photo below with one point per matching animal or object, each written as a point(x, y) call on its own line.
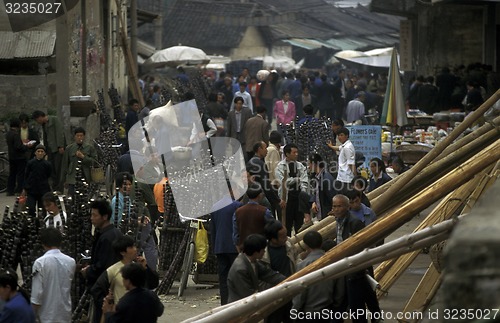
point(323, 187)
point(358, 290)
point(103, 255)
point(36, 180)
point(139, 304)
point(247, 271)
point(221, 235)
point(250, 218)
point(17, 158)
point(54, 141)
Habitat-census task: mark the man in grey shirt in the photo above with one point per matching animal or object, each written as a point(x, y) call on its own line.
point(323, 295)
point(356, 109)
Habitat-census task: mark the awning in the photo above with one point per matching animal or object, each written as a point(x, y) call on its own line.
point(145, 49)
point(27, 44)
point(308, 43)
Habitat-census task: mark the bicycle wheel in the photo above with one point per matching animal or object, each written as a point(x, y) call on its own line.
point(186, 268)
point(4, 173)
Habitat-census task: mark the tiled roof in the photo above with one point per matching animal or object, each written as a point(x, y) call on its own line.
point(211, 24)
point(206, 24)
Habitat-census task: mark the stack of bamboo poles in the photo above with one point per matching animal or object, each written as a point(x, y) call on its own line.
point(431, 280)
point(444, 169)
point(441, 160)
point(339, 269)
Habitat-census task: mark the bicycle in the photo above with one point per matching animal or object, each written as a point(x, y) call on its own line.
point(189, 264)
point(4, 171)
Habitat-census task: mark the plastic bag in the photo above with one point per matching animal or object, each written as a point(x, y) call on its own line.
point(201, 244)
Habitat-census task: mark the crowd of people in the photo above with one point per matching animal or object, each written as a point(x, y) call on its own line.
point(250, 236)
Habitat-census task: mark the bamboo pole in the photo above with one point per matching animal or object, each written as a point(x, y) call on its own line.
point(471, 137)
point(381, 228)
point(431, 281)
point(425, 291)
point(400, 215)
point(239, 310)
point(388, 272)
point(453, 155)
point(494, 174)
point(433, 193)
point(133, 81)
point(476, 134)
point(436, 170)
point(296, 239)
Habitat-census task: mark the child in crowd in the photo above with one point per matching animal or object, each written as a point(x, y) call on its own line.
point(36, 180)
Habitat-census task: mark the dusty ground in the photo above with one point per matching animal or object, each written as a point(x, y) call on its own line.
point(201, 298)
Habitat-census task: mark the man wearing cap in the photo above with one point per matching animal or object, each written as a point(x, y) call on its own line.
point(36, 180)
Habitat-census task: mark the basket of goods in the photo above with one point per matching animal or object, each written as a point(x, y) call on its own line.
point(457, 116)
point(411, 154)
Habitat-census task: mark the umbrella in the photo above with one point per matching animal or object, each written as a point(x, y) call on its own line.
point(285, 63)
point(394, 110)
point(218, 62)
point(177, 55)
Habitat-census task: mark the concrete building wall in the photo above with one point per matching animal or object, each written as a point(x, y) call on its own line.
point(92, 67)
point(251, 45)
point(26, 93)
point(462, 43)
point(115, 61)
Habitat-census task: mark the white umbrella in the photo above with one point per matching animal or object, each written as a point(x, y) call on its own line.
point(218, 62)
point(177, 55)
point(285, 63)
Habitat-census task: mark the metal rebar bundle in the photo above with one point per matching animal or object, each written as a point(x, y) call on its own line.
point(116, 104)
point(170, 237)
point(175, 265)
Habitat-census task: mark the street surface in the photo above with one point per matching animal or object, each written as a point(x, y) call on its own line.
point(201, 298)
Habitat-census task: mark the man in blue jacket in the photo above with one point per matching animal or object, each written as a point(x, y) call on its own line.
point(221, 234)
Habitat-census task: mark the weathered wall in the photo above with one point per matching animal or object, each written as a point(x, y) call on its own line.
point(252, 45)
point(115, 61)
point(102, 67)
point(449, 35)
point(26, 93)
point(472, 259)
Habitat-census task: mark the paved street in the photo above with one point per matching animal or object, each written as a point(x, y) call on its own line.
point(200, 298)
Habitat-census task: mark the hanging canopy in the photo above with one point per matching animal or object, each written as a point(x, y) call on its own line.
point(380, 57)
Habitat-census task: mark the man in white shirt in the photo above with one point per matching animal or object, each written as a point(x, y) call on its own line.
point(53, 273)
point(247, 98)
point(346, 167)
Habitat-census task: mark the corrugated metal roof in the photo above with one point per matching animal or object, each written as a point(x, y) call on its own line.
point(304, 43)
point(145, 49)
point(27, 44)
point(352, 43)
